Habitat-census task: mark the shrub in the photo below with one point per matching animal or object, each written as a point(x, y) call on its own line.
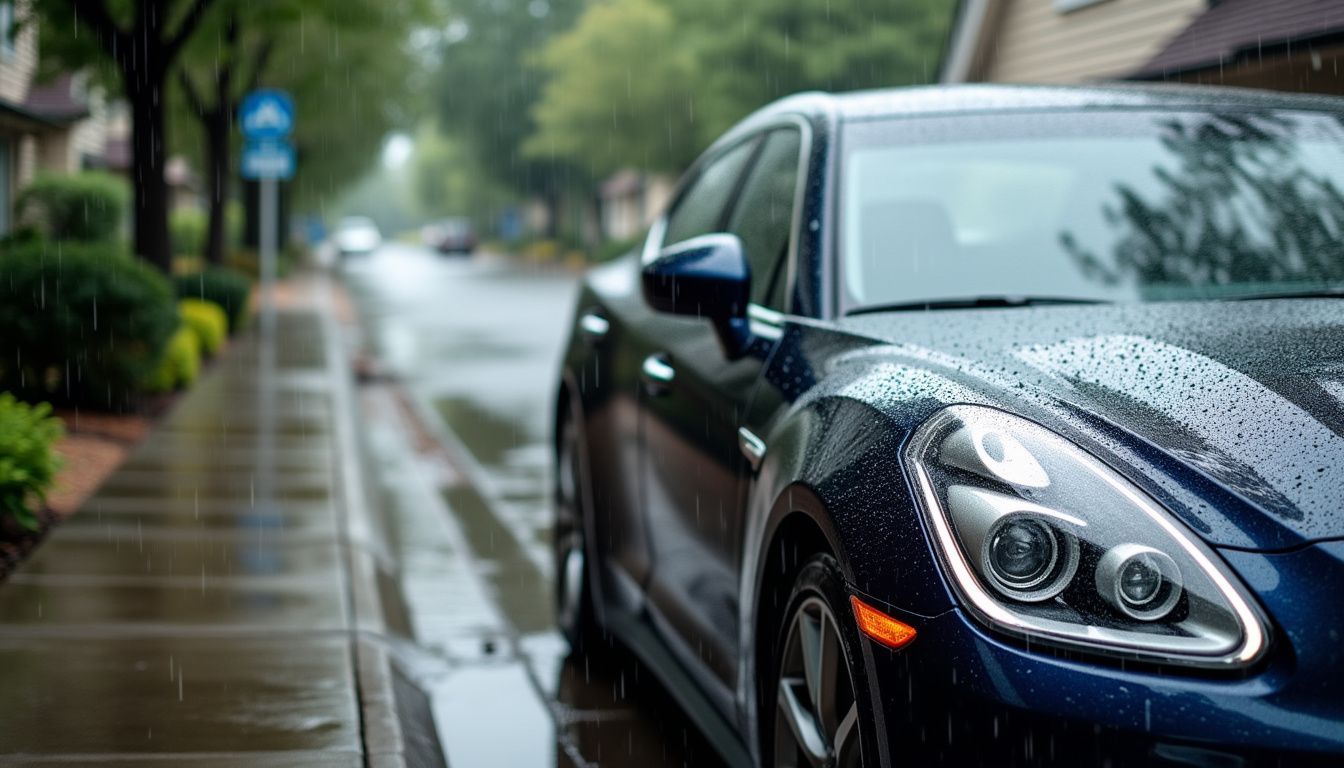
point(225, 288)
point(80, 323)
point(541, 250)
point(186, 231)
point(248, 261)
point(27, 462)
point(207, 320)
point(85, 207)
point(614, 249)
point(180, 364)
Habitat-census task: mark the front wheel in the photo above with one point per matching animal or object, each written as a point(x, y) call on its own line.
point(818, 720)
point(573, 595)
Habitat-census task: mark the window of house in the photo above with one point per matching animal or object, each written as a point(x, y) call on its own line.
point(6, 190)
point(7, 28)
point(1064, 6)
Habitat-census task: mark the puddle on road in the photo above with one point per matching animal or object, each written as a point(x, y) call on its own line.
point(490, 436)
point(514, 454)
point(523, 591)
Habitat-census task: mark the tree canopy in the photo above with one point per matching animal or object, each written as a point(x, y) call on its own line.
point(650, 83)
point(620, 91)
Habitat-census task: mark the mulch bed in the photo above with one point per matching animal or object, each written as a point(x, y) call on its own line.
point(17, 542)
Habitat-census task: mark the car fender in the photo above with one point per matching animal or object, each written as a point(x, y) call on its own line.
point(834, 457)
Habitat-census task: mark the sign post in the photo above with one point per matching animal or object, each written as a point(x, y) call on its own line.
point(267, 120)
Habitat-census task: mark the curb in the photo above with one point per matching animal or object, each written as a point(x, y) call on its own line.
point(396, 723)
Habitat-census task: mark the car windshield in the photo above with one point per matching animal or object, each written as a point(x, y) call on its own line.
point(1107, 205)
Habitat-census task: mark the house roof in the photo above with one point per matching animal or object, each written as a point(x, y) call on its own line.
point(17, 117)
point(1232, 29)
point(624, 182)
point(62, 100)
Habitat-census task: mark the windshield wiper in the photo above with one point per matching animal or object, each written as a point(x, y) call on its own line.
point(974, 302)
point(1310, 293)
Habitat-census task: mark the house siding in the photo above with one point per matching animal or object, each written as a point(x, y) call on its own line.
point(1038, 44)
point(17, 68)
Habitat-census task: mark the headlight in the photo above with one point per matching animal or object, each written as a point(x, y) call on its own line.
point(1044, 542)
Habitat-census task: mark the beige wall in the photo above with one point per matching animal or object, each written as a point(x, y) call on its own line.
point(625, 216)
point(63, 150)
point(1036, 43)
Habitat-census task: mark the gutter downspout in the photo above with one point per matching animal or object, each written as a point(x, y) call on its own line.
point(963, 45)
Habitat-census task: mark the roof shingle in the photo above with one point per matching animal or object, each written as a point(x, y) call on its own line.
point(1233, 28)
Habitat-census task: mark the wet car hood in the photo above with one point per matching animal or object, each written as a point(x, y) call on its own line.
point(1249, 394)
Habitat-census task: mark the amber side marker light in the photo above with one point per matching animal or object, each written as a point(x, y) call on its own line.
point(881, 627)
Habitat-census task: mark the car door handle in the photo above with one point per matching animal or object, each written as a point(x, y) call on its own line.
point(593, 328)
point(657, 374)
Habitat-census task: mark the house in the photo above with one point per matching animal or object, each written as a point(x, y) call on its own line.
point(1291, 45)
point(629, 202)
point(57, 127)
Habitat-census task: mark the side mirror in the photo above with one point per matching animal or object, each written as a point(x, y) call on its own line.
point(706, 276)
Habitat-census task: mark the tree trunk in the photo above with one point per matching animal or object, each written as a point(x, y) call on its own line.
point(218, 168)
point(551, 199)
point(151, 198)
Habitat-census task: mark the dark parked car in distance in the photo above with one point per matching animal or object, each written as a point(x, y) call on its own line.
point(982, 425)
point(452, 235)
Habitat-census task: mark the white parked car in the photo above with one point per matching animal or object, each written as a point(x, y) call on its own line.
point(357, 234)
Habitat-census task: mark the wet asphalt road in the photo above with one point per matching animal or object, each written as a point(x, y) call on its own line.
point(474, 346)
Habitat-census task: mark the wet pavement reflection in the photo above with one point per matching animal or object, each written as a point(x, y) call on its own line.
point(475, 344)
point(190, 614)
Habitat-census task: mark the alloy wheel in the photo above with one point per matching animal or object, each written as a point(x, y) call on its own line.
point(569, 549)
point(816, 715)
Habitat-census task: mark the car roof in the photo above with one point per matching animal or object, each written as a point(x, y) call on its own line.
point(983, 99)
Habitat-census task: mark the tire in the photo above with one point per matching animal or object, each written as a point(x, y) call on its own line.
point(574, 612)
point(817, 718)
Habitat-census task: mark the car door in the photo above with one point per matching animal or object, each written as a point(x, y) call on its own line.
point(694, 472)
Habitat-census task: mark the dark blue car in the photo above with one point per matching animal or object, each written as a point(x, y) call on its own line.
point(977, 426)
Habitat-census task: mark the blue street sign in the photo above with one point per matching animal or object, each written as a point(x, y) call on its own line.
point(271, 159)
point(267, 114)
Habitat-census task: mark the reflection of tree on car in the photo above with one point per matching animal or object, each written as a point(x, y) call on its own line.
point(1239, 197)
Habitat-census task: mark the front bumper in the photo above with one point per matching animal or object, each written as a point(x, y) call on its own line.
point(960, 695)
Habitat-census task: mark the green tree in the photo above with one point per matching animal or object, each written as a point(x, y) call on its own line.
point(486, 90)
point(756, 51)
point(649, 83)
point(238, 65)
point(448, 180)
point(355, 77)
point(620, 91)
point(297, 45)
point(138, 43)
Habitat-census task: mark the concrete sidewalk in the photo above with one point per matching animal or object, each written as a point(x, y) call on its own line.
point(218, 602)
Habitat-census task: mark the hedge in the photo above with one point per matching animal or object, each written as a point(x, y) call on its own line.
point(28, 463)
point(80, 323)
point(180, 364)
point(207, 320)
point(228, 289)
point(186, 231)
point(84, 207)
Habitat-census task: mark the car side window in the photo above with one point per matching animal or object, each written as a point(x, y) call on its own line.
point(699, 210)
point(763, 215)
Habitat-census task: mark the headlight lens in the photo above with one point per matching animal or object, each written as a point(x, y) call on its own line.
point(1043, 541)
